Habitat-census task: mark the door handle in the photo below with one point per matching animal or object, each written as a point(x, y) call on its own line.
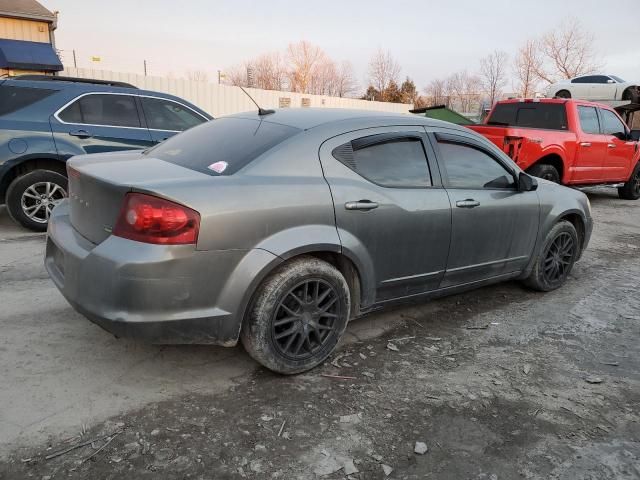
point(611, 145)
point(361, 205)
point(80, 134)
point(468, 203)
point(585, 144)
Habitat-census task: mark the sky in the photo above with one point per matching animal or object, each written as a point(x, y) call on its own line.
point(429, 39)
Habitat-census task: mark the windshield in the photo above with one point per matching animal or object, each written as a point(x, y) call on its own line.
point(617, 79)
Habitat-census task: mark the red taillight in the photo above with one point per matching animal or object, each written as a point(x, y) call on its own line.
point(149, 219)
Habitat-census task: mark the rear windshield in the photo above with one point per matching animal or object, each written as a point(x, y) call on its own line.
point(550, 116)
point(222, 146)
point(13, 99)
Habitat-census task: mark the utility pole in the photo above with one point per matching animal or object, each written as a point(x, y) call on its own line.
point(145, 67)
point(219, 77)
point(75, 62)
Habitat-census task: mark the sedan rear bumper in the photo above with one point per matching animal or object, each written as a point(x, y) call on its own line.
point(162, 294)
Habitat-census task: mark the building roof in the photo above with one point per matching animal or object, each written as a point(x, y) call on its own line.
point(27, 9)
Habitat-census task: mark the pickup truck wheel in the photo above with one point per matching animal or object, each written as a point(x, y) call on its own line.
point(631, 95)
point(31, 198)
point(546, 171)
point(563, 94)
point(631, 189)
point(555, 260)
point(297, 317)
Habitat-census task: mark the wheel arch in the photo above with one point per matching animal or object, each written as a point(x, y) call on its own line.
point(578, 222)
point(30, 164)
point(554, 158)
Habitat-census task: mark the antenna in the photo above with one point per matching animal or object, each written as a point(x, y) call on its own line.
point(261, 111)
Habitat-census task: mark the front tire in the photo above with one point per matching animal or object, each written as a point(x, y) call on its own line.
point(31, 198)
point(555, 260)
point(546, 171)
point(297, 317)
point(631, 189)
point(563, 94)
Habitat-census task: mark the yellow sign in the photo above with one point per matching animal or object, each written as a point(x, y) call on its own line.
point(95, 59)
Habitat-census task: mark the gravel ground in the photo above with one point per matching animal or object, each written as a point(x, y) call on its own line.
point(499, 383)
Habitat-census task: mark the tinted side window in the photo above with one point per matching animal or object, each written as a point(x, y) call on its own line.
point(611, 124)
point(110, 110)
point(587, 79)
point(469, 167)
point(13, 99)
point(600, 79)
point(222, 146)
point(392, 162)
point(589, 122)
point(550, 116)
point(167, 115)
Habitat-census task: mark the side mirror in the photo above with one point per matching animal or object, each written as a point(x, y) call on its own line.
point(634, 135)
point(610, 81)
point(526, 183)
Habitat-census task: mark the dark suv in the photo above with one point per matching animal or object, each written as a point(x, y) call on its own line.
point(46, 120)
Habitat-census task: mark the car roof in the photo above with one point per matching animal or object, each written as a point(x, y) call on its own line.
point(85, 86)
point(308, 118)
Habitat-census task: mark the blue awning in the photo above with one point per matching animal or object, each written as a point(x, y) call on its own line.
point(21, 55)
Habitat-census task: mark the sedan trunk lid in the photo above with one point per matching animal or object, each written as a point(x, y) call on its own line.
point(98, 184)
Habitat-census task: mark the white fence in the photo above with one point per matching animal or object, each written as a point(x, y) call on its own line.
point(221, 100)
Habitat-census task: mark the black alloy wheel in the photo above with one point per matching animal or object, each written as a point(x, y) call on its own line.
point(305, 319)
point(559, 258)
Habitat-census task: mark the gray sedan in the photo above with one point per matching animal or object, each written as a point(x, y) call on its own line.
point(276, 229)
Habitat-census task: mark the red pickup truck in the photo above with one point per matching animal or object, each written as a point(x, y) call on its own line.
point(567, 141)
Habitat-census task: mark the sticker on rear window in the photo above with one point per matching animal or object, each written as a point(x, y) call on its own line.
point(218, 167)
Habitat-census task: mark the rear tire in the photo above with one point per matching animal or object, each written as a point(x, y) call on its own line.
point(563, 94)
point(546, 171)
point(631, 189)
point(553, 264)
point(32, 196)
point(297, 317)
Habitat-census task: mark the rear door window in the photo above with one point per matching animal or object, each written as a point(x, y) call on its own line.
point(13, 99)
point(387, 161)
point(162, 114)
point(550, 116)
point(222, 146)
point(589, 122)
point(101, 109)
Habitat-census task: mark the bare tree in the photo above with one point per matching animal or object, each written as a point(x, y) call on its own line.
point(305, 59)
point(383, 70)
point(198, 75)
point(237, 75)
point(464, 90)
point(270, 71)
point(345, 83)
point(526, 65)
point(567, 51)
point(493, 74)
point(437, 92)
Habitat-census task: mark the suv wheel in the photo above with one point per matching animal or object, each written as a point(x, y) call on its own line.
point(631, 189)
point(31, 198)
point(556, 258)
point(546, 171)
point(298, 316)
